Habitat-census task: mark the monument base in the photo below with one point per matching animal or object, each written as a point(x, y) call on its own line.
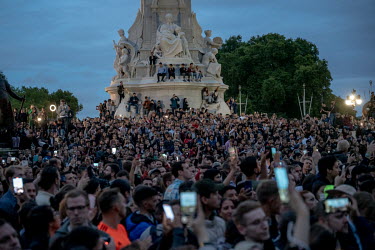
point(164, 91)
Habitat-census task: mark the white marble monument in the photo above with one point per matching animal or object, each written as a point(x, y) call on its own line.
point(170, 30)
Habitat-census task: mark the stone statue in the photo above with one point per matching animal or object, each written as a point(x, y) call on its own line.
point(6, 111)
point(167, 38)
point(123, 39)
point(125, 53)
point(133, 64)
point(185, 44)
point(208, 41)
point(209, 60)
point(123, 63)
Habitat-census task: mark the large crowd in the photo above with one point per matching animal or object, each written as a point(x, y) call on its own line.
point(189, 179)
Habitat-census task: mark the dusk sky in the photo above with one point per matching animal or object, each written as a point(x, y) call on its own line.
point(68, 44)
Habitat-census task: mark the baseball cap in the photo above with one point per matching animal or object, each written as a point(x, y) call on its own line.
point(343, 189)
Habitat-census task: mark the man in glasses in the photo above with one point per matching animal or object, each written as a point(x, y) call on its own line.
point(77, 211)
point(253, 223)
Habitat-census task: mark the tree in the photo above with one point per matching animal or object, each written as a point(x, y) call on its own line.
point(41, 98)
point(272, 70)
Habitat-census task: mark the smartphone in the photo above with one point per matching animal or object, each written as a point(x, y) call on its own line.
point(188, 203)
point(336, 205)
point(177, 158)
point(168, 211)
point(18, 185)
point(3, 161)
point(164, 156)
point(96, 164)
point(55, 153)
point(273, 152)
point(12, 158)
point(232, 153)
point(304, 152)
point(114, 150)
point(315, 149)
point(282, 184)
point(63, 178)
point(248, 185)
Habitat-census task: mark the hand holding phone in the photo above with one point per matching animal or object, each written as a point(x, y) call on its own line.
point(188, 203)
point(168, 211)
point(282, 184)
point(232, 153)
point(18, 185)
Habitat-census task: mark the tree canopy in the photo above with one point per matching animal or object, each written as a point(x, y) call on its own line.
point(41, 97)
point(272, 69)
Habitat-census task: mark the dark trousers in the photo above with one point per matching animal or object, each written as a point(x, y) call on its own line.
point(162, 76)
point(122, 96)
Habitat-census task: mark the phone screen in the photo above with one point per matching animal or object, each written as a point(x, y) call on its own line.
point(188, 203)
point(13, 158)
point(114, 150)
point(55, 153)
point(336, 205)
point(273, 151)
point(248, 185)
point(168, 211)
point(232, 153)
point(96, 164)
point(304, 152)
point(282, 184)
point(18, 185)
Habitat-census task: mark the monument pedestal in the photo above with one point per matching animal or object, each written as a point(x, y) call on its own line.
point(164, 91)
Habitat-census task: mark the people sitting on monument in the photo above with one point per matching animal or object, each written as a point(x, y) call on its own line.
point(112, 109)
point(162, 71)
point(171, 72)
point(133, 101)
point(198, 74)
point(185, 104)
point(191, 72)
point(206, 95)
point(121, 91)
point(146, 106)
point(215, 95)
point(152, 63)
point(183, 72)
point(175, 103)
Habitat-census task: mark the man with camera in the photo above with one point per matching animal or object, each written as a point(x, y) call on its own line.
point(174, 103)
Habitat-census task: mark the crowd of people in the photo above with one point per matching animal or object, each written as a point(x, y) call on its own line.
point(190, 179)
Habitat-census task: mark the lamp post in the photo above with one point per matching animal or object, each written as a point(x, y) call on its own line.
point(353, 99)
point(240, 99)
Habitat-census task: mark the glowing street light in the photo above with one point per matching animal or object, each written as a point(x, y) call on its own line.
point(52, 108)
point(353, 99)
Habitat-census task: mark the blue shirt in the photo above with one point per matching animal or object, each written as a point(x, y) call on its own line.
point(162, 70)
point(172, 191)
point(8, 203)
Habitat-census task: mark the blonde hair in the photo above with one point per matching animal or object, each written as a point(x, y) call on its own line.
point(343, 146)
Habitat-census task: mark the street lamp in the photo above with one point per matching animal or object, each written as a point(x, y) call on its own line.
point(353, 99)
